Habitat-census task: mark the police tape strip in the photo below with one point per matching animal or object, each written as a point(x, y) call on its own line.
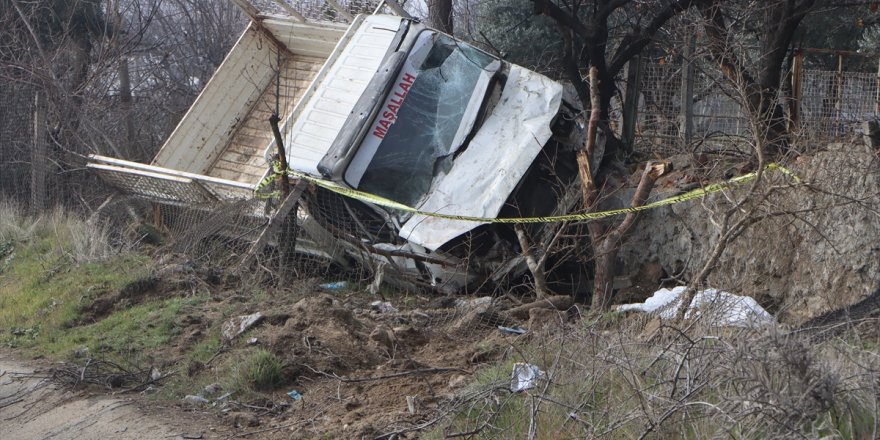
point(381, 201)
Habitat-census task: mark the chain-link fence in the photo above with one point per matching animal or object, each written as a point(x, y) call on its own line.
point(681, 111)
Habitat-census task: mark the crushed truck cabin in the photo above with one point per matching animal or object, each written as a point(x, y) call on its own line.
point(386, 106)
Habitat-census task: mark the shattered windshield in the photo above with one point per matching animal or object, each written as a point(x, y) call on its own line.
point(426, 117)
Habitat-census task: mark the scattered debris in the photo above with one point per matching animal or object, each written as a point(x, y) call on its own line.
point(512, 330)
point(483, 301)
point(338, 285)
point(412, 404)
point(715, 306)
point(377, 280)
point(252, 341)
point(104, 373)
point(150, 390)
point(383, 336)
point(212, 389)
point(237, 326)
point(244, 420)
point(195, 400)
point(294, 394)
point(383, 307)
point(525, 377)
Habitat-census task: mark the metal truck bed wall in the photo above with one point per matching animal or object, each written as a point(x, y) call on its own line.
point(218, 150)
point(226, 131)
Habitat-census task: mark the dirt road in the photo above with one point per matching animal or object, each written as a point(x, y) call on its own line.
point(31, 407)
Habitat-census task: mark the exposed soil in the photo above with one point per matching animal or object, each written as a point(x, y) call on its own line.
point(362, 370)
point(356, 367)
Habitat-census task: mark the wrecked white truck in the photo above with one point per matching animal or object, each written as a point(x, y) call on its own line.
point(389, 107)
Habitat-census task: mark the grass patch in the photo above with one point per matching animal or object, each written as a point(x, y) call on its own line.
point(53, 269)
point(262, 372)
point(42, 294)
point(139, 329)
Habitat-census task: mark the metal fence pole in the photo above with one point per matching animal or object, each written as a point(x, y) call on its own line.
point(686, 118)
point(797, 92)
point(877, 96)
point(39, 155)
point(631, 101)
point(838, 101)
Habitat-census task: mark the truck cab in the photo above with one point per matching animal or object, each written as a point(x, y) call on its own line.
point(388, 107)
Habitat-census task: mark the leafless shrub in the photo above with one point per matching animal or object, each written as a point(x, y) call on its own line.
point(621, 378)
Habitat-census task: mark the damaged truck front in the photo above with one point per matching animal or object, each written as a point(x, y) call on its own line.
point(406, 113)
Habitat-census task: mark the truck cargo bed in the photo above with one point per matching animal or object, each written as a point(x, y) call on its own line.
point(242, 160)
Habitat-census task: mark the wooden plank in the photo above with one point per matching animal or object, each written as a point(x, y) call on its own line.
point(284, 30)
point(274, 224)
point(139, 173)
point(167, 171)
point(226, 174)
point(241, 149)
point(248, 165)
point(248, 141)
point(252, 136)
point(241, 167)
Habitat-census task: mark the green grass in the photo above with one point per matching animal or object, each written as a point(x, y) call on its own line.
point(139, 329)
point(262, 371)
point(42, 293)
point(52, 271)
point(53, 268)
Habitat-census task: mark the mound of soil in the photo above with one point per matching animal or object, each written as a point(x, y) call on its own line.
point(363, 373)
point(321, 334)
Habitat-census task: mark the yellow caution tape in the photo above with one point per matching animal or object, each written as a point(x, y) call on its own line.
point(381, 201)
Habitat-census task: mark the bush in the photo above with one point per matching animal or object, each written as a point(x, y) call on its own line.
point(621, 380)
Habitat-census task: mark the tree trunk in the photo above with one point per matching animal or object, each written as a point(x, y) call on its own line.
point(125, 98)
point(606, 242)
point(440, 15)
point(126, 106)
point(607, 245)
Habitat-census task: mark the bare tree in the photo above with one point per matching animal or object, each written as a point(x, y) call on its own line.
point(585, 27)
point(773, 24)
point(440, 15)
